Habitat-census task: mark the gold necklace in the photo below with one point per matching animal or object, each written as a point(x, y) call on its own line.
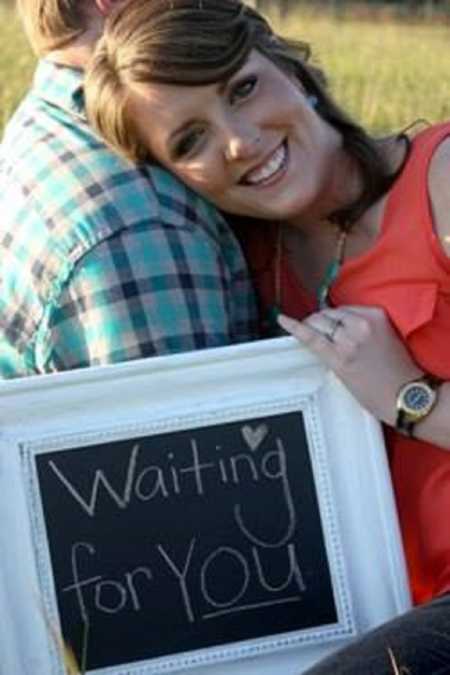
point(331, 273)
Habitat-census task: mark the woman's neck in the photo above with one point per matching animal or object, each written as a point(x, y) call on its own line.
point(310, 244)
point(340, 187)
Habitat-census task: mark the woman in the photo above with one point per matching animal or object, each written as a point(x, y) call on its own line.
point(350, 235)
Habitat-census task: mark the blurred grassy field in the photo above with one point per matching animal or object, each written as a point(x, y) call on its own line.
point(386, 72)
point(16, 63)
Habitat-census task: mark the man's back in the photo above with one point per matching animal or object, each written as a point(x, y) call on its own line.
point(101, 261)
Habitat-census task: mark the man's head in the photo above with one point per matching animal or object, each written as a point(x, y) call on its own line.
point(55, 24)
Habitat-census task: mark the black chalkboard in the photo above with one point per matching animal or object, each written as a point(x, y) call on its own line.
point(186, 540)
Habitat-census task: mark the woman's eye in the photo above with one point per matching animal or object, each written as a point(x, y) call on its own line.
point(243, 88)
point(187, 143)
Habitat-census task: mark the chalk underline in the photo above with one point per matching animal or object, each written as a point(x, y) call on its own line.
point(243, 608)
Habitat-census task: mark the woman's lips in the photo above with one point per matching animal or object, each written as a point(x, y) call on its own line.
point(269, 170)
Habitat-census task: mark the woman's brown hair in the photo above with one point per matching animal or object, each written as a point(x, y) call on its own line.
point(200, 42)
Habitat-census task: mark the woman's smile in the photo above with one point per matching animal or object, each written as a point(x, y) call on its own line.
point(269, 171)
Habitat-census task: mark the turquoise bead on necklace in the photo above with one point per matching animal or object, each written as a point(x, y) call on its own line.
point(332, 271)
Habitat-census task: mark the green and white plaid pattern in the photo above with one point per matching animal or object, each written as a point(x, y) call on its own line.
point(100, 261)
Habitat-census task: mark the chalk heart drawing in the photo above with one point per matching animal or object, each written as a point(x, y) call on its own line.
point(254, 437)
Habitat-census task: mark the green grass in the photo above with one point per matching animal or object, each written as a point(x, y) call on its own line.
point(16, 63)
point(387, 73)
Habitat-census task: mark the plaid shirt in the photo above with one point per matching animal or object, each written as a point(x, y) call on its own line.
point(100, 261)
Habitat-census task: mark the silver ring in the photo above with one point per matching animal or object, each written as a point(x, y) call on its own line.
point(337, 323)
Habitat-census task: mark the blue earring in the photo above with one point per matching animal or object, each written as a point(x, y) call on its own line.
point(312, 100)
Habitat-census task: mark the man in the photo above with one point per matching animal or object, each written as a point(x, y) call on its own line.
point(101, 261)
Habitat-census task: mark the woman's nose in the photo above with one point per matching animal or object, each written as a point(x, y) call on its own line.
point(243, 144)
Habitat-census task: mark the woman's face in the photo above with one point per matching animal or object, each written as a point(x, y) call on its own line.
point(253, 145)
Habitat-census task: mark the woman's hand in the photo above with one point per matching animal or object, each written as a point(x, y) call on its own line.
point(360, 345)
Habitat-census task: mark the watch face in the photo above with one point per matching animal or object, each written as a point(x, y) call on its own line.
point(418, 398)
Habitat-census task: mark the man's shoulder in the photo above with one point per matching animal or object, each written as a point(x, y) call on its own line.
point(63, 193)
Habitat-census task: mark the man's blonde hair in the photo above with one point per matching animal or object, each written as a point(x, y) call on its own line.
point(52, 24)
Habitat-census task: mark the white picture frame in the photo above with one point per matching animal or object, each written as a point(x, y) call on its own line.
point(211, 389)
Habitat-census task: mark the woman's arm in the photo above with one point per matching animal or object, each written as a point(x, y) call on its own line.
point(366, 353)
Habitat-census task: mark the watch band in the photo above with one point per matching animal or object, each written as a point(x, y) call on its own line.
point(432, 380)
point(403, 424)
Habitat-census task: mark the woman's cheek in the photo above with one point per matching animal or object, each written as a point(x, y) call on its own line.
point(206, 180)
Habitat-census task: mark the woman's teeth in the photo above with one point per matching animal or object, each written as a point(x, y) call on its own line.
point(270, 168)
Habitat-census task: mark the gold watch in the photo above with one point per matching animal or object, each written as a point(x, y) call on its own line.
point(415, 400)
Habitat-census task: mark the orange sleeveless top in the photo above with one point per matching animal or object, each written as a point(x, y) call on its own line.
point(408, 274)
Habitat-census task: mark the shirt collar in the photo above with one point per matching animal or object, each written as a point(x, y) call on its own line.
point(60, 86)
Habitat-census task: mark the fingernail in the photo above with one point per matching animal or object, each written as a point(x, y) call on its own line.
point(286, 322)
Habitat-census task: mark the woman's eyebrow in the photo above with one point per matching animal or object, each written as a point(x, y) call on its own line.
point(220, 87)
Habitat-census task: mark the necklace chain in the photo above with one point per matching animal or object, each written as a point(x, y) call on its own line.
point(332, 270)
point(331, 273)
